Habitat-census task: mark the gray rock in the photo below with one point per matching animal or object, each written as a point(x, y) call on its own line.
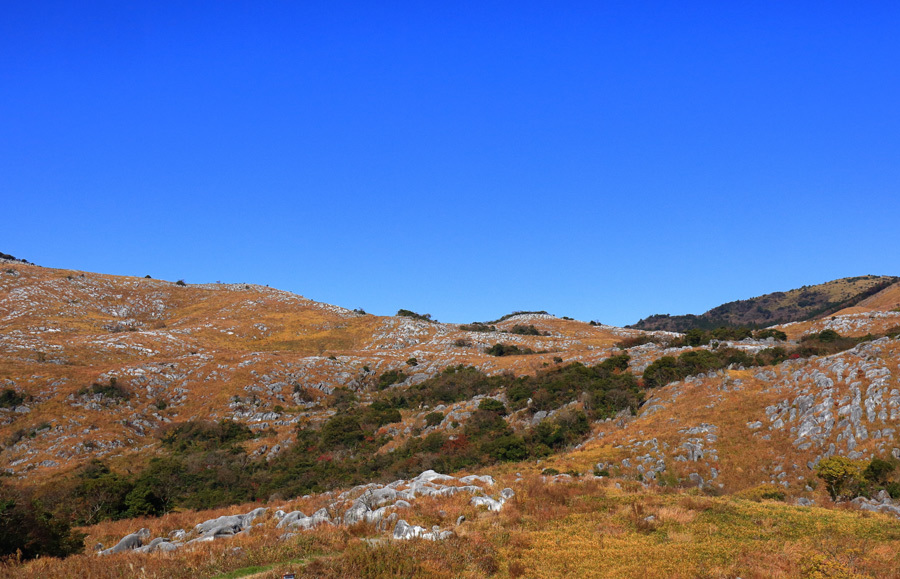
point(154, 545)
point(228, 524)
point(474, 478)
point(305, 523)
point(803, 502)
point(128, 542)
point(356, 513)
point(404, 531)
point(491, 504)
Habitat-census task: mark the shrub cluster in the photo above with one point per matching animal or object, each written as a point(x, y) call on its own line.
point(205, 466)
point(112, 391)
point(411, 314)
point(477, 327)
point(527, 330)
point(509, 350)
point(9, 398)
point(28, 529)
point(670, 369)
point(390, 378)
point(846, 479)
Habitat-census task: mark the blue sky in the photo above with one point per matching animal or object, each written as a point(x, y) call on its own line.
point(601, 160)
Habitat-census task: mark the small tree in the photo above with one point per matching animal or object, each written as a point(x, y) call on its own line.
point(841, 476)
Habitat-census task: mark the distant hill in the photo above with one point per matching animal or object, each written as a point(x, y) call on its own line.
point(805, 303)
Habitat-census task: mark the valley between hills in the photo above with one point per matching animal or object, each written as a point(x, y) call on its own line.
point(153, 428)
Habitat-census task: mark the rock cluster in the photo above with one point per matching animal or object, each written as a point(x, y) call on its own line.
point(372, 504)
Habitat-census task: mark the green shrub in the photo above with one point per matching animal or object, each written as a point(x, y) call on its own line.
point(434, 418)
point(477, 327)
point(639, 340)
point(492, 405)
point(525, 330)
point(390, 378)
point(412, 362)
point(112, 391)
point(197, 435)
point(507, 350)
point(770, 333)
point(9, 398)
point(342, 430)
point(381, 412)
point(506, 448)
point(878, 471)
point(28, 529)
point(411, 314)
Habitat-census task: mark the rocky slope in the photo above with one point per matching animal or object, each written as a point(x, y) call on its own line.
point(256, 355)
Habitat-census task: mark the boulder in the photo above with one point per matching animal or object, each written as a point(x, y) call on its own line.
point(404, 531)
point(128, 542)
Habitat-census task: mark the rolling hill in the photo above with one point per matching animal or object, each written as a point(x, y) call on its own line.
point(797, 305)
point(188, 410)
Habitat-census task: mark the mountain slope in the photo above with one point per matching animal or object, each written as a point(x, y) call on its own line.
point(264, 357)
point(796, 305)
point(110, 368)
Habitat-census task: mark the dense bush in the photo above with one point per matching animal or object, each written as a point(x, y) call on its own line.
point(342, 430)
point(9, 398)
point(477, 327)
point(203, 435)
point(527, 330)
point(702, 337)
point(639, 340)
point(434, 418)
point(605, 388)
point(770, 333)
point(492, 405)
point(411, 314)
point(565, 429)
point(27, 527)
point(668, 369)
point(112, 391)
point(381, 412)
point(390, 378)
point(508, 350)
point(455, 383)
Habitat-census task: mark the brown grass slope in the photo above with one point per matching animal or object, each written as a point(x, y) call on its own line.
point(211, 351)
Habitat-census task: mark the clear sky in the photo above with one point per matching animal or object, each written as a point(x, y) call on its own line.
point(601, 160)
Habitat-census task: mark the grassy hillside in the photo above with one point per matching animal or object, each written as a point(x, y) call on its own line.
point(796, 305)
point(131, 402)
